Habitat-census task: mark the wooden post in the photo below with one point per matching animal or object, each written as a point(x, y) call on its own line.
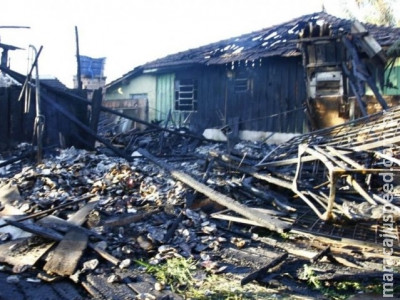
point(78, 73)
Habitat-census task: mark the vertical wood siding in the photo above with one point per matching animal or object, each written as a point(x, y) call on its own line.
point(164, 95)
point(273, 103)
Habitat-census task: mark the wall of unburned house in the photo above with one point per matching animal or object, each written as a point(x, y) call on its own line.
point(392, 79)
point(165, 96)
point(141, 87)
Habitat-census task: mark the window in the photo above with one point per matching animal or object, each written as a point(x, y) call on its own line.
point(186, 95)
point(241, 85)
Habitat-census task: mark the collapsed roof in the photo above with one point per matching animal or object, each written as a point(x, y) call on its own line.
point(278, 40)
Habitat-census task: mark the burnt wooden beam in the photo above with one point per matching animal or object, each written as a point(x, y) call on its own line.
point(50, 210)
point(47, 233)
point(62, 225)
point(257, 274)
point(55, 236)
point(269, 222)
point(172, 228)
point(321, 254)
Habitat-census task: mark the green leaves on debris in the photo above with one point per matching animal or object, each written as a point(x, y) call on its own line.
point(184, 277)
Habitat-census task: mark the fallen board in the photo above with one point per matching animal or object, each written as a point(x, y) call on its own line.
point(23, 252)
point(64, 259)
point(79, 217)
point(54, 235)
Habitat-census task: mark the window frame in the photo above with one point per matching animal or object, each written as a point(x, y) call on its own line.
point(186, 95)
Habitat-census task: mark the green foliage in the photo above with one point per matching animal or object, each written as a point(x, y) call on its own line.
point(379, 12)
point(176, 272)
point(338, 291)
point(285, 235)
point(180, 275)
point(346, 285)
point(311, 278)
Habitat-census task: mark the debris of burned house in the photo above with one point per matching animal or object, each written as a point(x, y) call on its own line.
point(110, 224)
point(127, 215)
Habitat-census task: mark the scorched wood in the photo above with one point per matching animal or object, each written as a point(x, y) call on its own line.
point(65, 257)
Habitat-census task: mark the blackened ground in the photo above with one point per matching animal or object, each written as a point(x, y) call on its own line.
point(25, 290)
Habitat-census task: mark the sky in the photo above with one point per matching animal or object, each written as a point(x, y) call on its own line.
point(129, 33)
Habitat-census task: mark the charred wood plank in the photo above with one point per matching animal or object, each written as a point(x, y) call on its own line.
point(108, 290)
point(321, 254)
point(93, 291)
point(64, 259)
point(66, 290)
point(171, 230)
point(104, 254)
point(268, 222)
point(255, 275)
point(222, 216)
point(79, 217)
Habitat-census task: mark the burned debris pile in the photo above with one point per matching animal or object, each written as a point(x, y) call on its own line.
point(185, 218)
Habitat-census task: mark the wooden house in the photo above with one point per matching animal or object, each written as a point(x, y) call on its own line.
point(265, 81)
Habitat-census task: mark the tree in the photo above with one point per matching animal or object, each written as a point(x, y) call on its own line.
point(379, 12)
